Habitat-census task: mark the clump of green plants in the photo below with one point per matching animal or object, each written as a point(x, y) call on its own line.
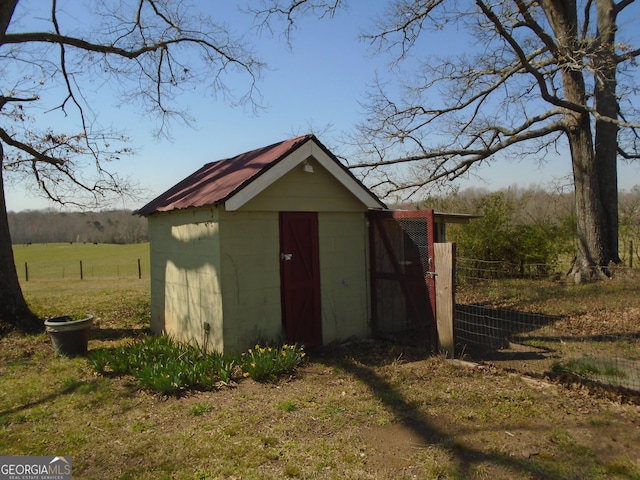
point(200, 409)
point(504, 236)
point(164, 365)
point(268, 363)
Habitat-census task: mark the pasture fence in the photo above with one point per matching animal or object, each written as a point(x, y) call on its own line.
point(534, 319)
point(80, 270)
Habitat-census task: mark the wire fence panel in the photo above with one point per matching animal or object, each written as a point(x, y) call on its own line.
point(79, 270)
point(508, 319)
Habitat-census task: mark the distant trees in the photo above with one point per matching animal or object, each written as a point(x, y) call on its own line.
point(630, 226)
point(50, 226)
point(528, 226)
point(505, 235)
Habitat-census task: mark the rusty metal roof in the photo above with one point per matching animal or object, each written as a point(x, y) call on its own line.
point(217, 181)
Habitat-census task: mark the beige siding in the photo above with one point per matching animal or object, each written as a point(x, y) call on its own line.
point(343, 265)
point(210, 265)
point(250, 259)
point(343, 275)
point(305, 192)
point(185, 268)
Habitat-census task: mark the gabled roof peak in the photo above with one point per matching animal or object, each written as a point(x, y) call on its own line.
point(216, 182)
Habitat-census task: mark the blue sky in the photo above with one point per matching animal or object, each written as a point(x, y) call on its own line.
point(319, 81)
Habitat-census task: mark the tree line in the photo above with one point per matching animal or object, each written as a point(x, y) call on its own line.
point(51, 226)
point(529, 225)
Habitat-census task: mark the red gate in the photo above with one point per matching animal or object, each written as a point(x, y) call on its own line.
point(402, 277)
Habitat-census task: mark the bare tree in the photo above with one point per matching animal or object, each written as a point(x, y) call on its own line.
point(542, 75)
point(146, 51)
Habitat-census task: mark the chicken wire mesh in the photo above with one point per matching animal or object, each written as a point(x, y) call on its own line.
point(401, 288)
point(492, 325)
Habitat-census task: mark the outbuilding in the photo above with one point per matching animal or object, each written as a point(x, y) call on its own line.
point(271, 244)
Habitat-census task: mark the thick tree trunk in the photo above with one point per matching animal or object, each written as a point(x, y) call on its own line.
point(14, 311)
point(594, 163)
point(606, 143)
point(590, 215)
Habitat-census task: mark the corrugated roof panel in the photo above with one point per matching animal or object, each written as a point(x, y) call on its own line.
point(216, 181)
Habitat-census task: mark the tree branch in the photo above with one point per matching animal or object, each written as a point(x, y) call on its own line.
point(4, 100)
point(38, 155)
point(518, 135)
point(517, 49)
point(290, 10)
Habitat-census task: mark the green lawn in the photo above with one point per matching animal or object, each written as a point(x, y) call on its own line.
point(62, 261)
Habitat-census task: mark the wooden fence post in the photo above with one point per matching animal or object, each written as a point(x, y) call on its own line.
point(445, 254)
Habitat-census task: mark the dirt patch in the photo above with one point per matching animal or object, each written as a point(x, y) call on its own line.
point(390, 448)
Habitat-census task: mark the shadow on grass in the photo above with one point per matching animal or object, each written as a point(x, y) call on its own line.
point(69, 388)
point(361, 361)
point(494, 328)
point(504, 337)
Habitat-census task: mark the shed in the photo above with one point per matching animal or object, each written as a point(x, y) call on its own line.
point(270, 244)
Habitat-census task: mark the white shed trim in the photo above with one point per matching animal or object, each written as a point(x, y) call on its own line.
point(291, 161)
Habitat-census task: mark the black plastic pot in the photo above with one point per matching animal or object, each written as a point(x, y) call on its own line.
point(69, 337)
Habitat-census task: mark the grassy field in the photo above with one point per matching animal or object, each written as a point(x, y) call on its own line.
point(61, 261)
point(362, 410)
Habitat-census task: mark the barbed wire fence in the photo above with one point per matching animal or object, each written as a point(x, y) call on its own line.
point(498, 320)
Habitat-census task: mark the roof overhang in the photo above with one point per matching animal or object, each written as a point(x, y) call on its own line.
point(443, 217)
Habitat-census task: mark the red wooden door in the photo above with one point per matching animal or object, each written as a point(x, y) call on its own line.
point(300, 277)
